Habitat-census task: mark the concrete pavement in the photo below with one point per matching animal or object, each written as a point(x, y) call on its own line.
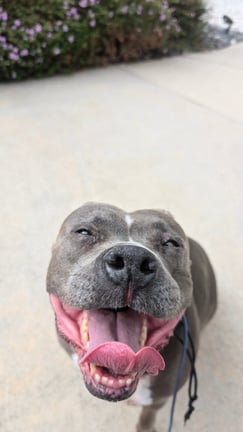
point(165, 134)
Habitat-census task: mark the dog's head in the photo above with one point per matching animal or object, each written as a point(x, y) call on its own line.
point(119, 283)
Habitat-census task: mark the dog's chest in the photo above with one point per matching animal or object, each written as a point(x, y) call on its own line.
point(143, 395)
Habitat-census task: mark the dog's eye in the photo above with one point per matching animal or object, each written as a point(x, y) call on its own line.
point(83, 231)
point(171, 242)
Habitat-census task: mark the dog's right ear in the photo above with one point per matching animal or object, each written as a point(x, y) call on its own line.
point(166, 213)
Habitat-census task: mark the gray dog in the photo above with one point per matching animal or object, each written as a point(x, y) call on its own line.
point(119, 284)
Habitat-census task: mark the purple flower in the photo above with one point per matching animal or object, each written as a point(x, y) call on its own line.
point(56, 51)
point(31, 31)
point(58, 23)
point(124, 9)
point(4, 16)
point(13, 56)
point(139, 9)
point(111, 14)
point(65, 5)
point(73, 11)
point(24, 52)
point(92, 23)
point(2, 39)
point(65, 28)
point(71, 38)
point(92, 2)
point(17, 23)
point(49, 35)
point(83, 3)
point(38, 28)
point(162, 17)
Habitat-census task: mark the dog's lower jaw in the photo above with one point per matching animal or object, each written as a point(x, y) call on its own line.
point(114, 395)
point(112, 368)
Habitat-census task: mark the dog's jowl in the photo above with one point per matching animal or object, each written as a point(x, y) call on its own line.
point(119, 284)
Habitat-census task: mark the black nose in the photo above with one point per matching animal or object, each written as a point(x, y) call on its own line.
point(128, 262)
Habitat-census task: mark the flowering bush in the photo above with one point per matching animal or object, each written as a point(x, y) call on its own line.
point(42, 37)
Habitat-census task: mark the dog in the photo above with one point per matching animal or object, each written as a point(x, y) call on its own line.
point(119, 284)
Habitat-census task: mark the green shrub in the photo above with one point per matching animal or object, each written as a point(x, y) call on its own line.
point(43, 37)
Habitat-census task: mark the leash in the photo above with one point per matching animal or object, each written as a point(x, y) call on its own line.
point(193, 382)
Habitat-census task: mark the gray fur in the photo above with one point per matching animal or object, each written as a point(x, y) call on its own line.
point(78, 276)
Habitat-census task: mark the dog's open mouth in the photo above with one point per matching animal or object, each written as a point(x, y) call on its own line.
point(114, 347)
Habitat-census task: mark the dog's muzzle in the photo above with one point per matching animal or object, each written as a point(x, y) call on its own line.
point(117, 342)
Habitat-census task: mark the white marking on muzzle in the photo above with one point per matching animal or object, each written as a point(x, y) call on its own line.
point(129, 220)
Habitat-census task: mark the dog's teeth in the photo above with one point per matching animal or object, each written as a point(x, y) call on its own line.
point(104, 380)
point(84, 329)
point(92, 368)
point(97, 375)
point(143, 334)
point(85, 336)
point(97, 378)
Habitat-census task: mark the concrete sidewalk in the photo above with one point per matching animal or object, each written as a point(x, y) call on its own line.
point(166, 134)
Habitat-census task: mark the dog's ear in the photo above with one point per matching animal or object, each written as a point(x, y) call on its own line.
point(166, 213)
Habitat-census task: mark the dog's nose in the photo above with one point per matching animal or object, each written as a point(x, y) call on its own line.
point(128, 262)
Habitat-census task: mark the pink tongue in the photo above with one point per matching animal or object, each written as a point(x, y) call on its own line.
point(107, 325)
point(122, 360)
point(114, 343)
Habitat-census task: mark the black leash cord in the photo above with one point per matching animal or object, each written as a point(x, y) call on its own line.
point(193, 380)
point(180, 370)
